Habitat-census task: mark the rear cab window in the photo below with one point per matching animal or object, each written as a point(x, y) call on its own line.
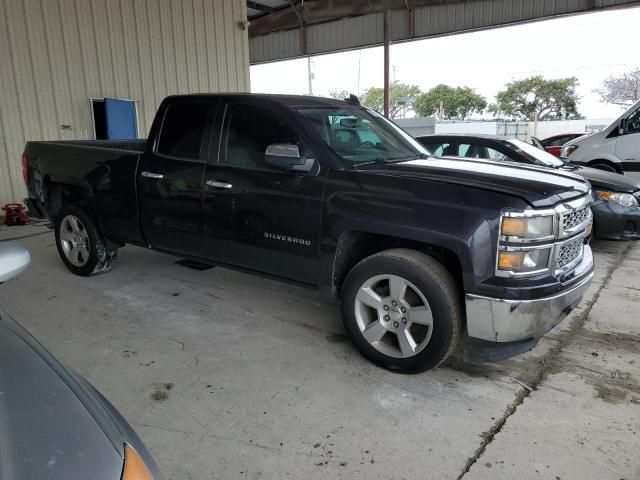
point(183, 130)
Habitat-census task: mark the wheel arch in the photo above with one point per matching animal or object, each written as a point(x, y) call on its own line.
point(354, 246)
point(604, 161)
point(58, 194)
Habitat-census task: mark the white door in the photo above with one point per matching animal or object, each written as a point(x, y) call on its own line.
point(628, 145)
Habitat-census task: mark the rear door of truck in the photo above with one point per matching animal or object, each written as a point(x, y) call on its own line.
point(170, 175)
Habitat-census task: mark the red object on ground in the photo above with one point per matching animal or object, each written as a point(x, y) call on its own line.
point(14, 214)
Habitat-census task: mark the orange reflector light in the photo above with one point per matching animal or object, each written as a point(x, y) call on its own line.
point(134, 467)
point(514, 226)
point(509, 260)
point(604, 195)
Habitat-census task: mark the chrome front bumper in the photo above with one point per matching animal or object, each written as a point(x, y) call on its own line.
point(501, 320)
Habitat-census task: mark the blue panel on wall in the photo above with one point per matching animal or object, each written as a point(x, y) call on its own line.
point(121, 119)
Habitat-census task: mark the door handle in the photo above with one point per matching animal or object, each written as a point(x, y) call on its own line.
point(218, 184)
point(157, 176)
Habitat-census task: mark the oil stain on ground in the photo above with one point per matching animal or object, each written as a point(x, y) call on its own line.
point(161, 391)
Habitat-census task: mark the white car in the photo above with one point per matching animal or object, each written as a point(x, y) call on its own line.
point(615, 148)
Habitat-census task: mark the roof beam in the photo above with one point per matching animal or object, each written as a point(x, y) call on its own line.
point(260, 7)
point(320, 11)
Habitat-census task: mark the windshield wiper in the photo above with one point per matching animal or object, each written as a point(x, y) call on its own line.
point(375, 161)
point(380, 160)
point(419, 156)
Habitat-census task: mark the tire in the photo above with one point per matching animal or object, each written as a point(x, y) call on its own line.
point(430, 296)
point(607, 167)
point(80, 244)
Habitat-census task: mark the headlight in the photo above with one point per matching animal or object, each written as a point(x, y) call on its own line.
point(527, 228)
point(134, 467)
point(568, 150)
point(624, 199)
point(524, 261)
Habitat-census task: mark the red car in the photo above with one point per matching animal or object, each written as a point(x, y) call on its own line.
point(554, 144)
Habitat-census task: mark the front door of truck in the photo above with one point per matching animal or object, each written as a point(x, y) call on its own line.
point(170, 177)
point(258, 216)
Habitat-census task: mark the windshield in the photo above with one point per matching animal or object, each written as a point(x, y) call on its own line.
point(537, 155)
point(359, 135)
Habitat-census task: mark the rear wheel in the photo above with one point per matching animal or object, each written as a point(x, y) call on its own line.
point(401, 309)
point(80, 244)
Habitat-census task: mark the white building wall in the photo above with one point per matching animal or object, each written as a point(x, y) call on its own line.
point(56, 54)
point(485, 128)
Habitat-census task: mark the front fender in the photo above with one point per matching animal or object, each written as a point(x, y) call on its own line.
point(459, 219)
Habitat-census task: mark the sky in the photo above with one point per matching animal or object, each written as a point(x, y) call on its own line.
point(590, 47)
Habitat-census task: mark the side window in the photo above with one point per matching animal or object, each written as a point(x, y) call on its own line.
point(449, 150)
point(633, 122)
point(248, 131)
point(474, 150)
point(465, 150)
point(493, 154)
point(183, 129)
point(560, 141)
point(501, 157)
point(435, 148)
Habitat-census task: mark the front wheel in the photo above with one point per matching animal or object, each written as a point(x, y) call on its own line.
point(402, 310)
point(80, 244)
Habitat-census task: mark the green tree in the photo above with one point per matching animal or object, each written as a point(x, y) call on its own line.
point(402, 97)
point(536, 98)
point(622, 89)
point(457, 102)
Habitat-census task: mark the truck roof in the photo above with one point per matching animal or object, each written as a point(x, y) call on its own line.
point(483, 136)
point(290, 100)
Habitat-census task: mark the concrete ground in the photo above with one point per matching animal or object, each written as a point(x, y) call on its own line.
point(230, 376)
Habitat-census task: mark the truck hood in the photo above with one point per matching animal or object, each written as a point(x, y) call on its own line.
point(48, 430)
point(609, 180)
point(540, 187)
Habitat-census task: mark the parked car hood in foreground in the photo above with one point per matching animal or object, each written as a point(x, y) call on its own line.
point(541, 187)
point(609, 180)
point(55, 426)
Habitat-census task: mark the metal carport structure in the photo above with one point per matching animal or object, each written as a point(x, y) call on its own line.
point(285, 29)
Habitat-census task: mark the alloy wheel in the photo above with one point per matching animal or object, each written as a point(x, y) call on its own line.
point(75, 240)
point(394, 316)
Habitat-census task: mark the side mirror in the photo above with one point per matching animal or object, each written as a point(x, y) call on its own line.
point(623, 126)
point(287, 156)
point(14, 259)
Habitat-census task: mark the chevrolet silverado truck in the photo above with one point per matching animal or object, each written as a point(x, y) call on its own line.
point(429, 256)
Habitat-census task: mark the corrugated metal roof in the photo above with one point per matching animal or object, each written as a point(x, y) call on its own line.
point(254, 10)
point(440, 18)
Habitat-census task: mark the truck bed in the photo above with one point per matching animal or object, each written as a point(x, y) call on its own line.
point(125, 145)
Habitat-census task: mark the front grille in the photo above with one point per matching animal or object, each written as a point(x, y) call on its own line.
point(575, 217)
point(569, 252)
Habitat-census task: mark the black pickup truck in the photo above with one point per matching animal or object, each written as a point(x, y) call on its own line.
point(428, 255)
